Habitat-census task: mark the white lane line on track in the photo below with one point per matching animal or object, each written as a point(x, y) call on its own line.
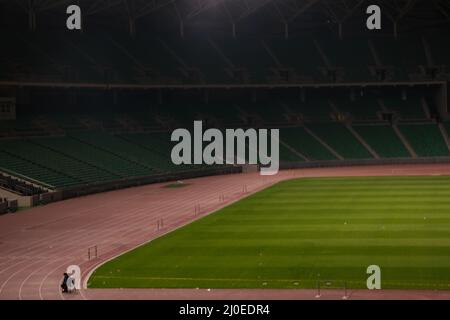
point(30, 275)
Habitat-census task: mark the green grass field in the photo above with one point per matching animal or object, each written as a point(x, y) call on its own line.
point(299, 231)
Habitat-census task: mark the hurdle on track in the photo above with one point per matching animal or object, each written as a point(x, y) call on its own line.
point(337, 286)
point(197, 210)
point(92, 252)
point(159, 224)
point(345, 296)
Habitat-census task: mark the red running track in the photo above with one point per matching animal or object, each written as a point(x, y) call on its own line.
point(37, 245)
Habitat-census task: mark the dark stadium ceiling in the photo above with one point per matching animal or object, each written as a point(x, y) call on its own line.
point(156, 15)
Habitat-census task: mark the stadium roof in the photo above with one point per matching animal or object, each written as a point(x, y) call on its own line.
point(224, 15)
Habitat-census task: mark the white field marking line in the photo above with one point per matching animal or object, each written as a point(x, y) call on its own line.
point(60, 266)
point(138, 213)
point(7, 261)
point(75, 215)
point(78, 212)
point(276, 180)
point(28, 265)
point(50, 239)
point(52, 271)
point(62, 296)
point(13, 265)
point(58, 236)
point(204, 279)
point(30, 275)
point(45, 279)
point(244, 195)
point(177, 205)
point(273, 181)
point(45, 265)
point(417, 284)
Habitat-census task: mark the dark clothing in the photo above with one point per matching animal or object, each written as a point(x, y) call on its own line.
point(64, 283)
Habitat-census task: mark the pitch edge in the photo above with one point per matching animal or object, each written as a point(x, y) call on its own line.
point(245, 195)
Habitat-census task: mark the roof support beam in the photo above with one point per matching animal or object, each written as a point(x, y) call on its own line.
point(399, 12)
point(130, 9)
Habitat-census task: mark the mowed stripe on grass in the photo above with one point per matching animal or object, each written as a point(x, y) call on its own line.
point(298, 232)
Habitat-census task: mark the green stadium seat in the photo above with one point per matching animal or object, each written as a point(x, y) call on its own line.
point(383, 139)
point(338, 137)
point(362, 108)
point(410, 108)
point(426, 139)
point(303, 142)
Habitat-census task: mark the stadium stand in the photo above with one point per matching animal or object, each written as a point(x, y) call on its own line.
point(220, 114)
point(288, 154)
point(361, 107)
point(403, 55)
point(98, 106)
point(247, 59)
point(338, 137)
point(19, 186)
point(113, 155)
point(157, 147)
point(313, 109)
point(19, 162)
point(200, 59)
point(383, 140)
point(94, 146)
point(299, 56)
point(439, 49)
point(447, 126)
point(426, 139)
point(303, 142)
point(350, 57)
point(408, 106)
point(117, 58)
point(70, 149)
point(268, 112)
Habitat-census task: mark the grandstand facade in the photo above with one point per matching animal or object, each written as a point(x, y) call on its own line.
point(93, 110)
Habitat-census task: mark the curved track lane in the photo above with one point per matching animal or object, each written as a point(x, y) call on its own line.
point(37, 245)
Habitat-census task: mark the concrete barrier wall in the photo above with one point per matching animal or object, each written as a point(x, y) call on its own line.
point(13, 205)
point(58, 195)
point(365, 162)
point(126, 183)
point(3, 207)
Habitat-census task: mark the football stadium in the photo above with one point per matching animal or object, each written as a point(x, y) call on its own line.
point(351, 96)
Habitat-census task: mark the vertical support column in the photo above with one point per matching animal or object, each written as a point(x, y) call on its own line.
point(31, 15)
point(130, 6)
